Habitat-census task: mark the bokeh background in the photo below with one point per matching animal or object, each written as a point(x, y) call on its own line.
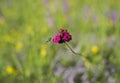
point(25, 57)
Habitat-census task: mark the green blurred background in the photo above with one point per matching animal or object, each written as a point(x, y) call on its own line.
point(25, 57)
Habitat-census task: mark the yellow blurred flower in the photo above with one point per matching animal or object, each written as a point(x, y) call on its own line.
point(29, 30)
point(16, 35)
point(95, 49)
point(43, 50)
point(27, 72)
point(2, 21)
point(11, 38)
point(7, 38)
point(44, 30)
point(11, 70)
point(18, 46)
point(87, 63)
point(84, 54)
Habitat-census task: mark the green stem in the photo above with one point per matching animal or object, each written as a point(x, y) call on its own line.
point(71, 49)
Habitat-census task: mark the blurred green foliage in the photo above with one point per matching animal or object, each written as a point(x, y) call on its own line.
point(25, 57)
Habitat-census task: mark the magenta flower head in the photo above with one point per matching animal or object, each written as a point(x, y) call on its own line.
point(62, 37)
point(57, 38)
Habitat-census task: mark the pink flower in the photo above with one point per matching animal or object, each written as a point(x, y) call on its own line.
point(62, 36)
point(57, 38)
point(65, 35)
